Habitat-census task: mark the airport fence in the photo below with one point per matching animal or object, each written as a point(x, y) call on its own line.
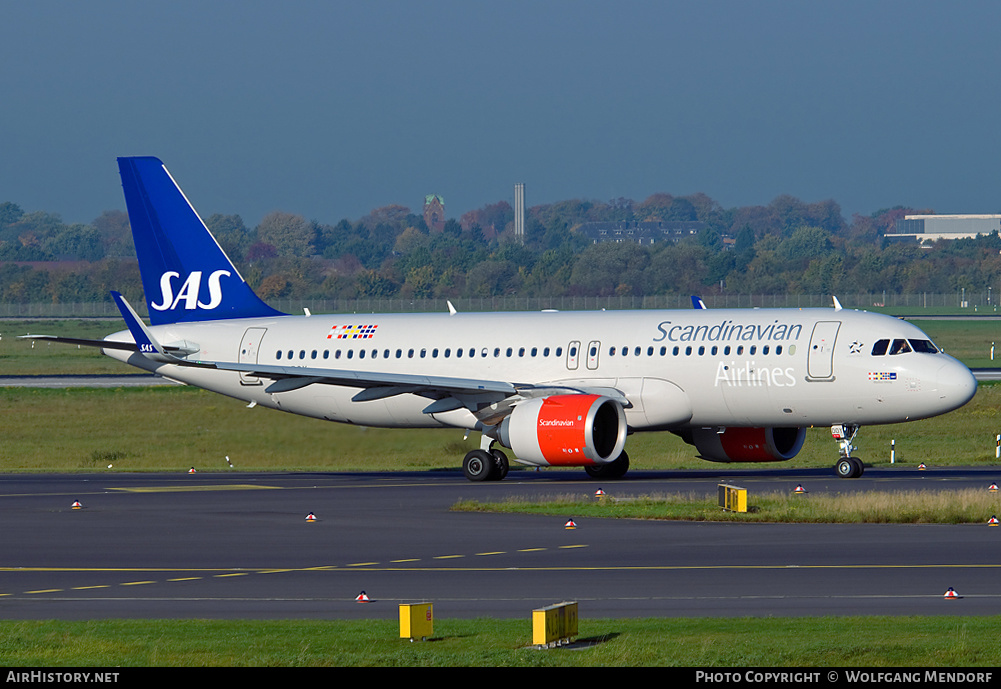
point(904, 304)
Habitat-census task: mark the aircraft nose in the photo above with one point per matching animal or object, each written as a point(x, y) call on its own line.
point(956, 384)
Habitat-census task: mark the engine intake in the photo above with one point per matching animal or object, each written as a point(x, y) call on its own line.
point(565, 430)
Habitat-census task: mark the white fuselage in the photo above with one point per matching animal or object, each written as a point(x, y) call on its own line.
point(678, 369)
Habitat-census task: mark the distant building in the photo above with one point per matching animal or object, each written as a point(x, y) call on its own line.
point(933, 227)
point(641, 232)
point(434, 213)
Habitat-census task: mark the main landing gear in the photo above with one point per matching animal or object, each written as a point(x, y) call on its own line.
point(847, 466)
point(485, 465)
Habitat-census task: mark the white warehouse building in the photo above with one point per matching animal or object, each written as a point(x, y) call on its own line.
point(934, 227)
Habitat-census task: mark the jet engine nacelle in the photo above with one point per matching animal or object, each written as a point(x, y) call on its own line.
point(747, 444)
point(568, 430)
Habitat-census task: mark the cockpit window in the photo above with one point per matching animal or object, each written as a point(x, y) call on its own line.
point(879, 349)
point(900, 347)
point(924, 346)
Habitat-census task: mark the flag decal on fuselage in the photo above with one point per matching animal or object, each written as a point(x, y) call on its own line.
point(352, 332)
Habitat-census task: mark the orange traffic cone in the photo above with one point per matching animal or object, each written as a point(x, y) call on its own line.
point(951, 594)
point(570, 524)
point(599, 493)
point(993, 521)
point(311, 517)
point(921, 467)
point(993, 488)
point(191, 470)
point(363, 598)
point(76, 505)
point(800, 490)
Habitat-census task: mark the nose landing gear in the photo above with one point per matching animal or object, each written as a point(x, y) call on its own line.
point(847, 466)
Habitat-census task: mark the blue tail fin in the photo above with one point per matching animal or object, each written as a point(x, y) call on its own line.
point(186, 275)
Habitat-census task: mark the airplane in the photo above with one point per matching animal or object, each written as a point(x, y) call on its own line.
point(554, 388)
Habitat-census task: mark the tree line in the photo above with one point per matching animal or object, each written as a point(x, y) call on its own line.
point(788, 246)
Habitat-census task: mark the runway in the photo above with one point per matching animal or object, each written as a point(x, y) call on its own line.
point(85, 381)
point(239, 546)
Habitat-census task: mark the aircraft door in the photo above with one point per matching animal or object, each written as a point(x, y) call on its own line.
point(249, 348)
point(592, 354)
point(573, 352)
point(820, 364)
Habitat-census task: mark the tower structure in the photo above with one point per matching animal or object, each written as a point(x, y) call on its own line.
point(434, 213)
point(519, 212)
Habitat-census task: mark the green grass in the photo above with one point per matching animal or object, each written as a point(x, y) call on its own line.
point(745, 642)
point(967, 506)
point(172, 428)
point(968, 341)
point(34, 358)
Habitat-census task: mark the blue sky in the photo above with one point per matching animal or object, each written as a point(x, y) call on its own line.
point(330, 109)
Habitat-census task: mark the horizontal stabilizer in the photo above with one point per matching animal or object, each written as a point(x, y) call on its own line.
point(81, 342)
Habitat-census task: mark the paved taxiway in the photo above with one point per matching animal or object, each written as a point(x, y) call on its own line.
point(85, 381)
point(238, 545)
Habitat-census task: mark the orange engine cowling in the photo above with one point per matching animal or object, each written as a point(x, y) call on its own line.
point(746, 444)
point(568, 430)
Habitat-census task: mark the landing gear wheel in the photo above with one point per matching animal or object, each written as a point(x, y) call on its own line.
point(612, 470)
point(478, 465)
point(849, 467)
point(859, 466)
point(501, 465)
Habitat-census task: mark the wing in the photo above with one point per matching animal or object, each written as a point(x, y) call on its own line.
point(490, 400)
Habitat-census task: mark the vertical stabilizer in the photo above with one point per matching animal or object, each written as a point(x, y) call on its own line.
point(186, 275)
